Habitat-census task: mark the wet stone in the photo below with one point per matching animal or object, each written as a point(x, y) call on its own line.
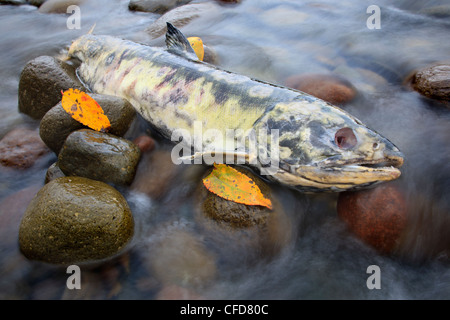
point(433, 82)
point(179, 258)
point(180, 17)
point(21, 148)
point(53, 172)
point(377, 216)
point(155, 174)
point(40, 85)
point(58, 6)
point(155, 6)
point(145, 143)
point(57, 124)
point(260, 231)
point(331, 88)
point(99, 156)
point(75, 220)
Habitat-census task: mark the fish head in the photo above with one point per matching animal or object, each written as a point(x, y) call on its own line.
point(319, 147)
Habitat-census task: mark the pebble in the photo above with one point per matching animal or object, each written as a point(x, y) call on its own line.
point(180, 17)
point(57, 124)
point(377, 216)
point(75, 220)
point(145, 143)
point(331, 88)
point(12, 209)
point(433, 82)
point(99, 156)
point(155, 174)
point(174, 292)
point(179, 258)
point(155, 6)
point(58, 6)
point(21, 148)
point(40, 85)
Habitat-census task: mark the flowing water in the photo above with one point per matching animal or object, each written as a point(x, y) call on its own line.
point(269, 40)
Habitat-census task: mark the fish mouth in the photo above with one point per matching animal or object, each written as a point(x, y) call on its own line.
point(342, 175)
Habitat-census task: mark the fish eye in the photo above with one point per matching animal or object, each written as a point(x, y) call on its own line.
point(345, 138)
point(376, 145)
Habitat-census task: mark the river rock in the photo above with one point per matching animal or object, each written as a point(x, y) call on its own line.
point(75, 220)
point(53, 172)
point(57, 124)
point(331, 88)
point(377, 216)
point(145, 143)
point(177, 257)
point(433, 82)
point(40, 85)
point(155, 6)
point(12, 209)
point(21, 148)
point(58, 6)
point(440, 11)
point(156, 173)
point(99, 156)
point(256, 229)
point(180, 17)
point(173, 292)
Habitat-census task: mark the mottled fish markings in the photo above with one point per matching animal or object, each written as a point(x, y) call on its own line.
point(321, 147)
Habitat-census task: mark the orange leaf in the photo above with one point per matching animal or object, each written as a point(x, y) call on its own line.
point(197, 45)
point(233, 185)
point(85, 109)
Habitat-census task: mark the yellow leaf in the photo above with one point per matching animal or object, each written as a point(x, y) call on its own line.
point(85, 109)
point(233, 185)
point(197, 45)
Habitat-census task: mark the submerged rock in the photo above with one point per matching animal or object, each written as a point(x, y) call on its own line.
point(155, 6)
point(433, 82)
point(21, 148)
point(58, 6)
point(179, 258)
point(179, 17)
point(333, 89)
point(259, 231)
point(155, 174)
point(40, 85)
point(145, 143)
point(57, 124)
point(75, 220)
point(99, 156)
point(377, 216)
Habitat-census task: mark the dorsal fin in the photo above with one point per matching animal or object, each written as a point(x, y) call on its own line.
point(178, 44)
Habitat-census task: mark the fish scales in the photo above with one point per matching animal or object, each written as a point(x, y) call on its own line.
point(321, 147)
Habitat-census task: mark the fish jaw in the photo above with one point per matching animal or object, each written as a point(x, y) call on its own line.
point(338, 177)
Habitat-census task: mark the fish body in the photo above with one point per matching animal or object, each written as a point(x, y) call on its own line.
point(320, 147)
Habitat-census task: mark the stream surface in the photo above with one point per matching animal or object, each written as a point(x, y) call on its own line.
point(269, 40)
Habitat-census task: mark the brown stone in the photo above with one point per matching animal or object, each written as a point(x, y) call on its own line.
point(330, 88)
point(433, 82)
point(21, 148)
point(145, 143)
point(377, 216)
point(41, 83)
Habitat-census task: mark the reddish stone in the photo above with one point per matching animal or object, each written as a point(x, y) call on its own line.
point(12, 209)
point(330, 88)
point(377, 216)
point(145, 143)
point(20, 148)
point(174, 292)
